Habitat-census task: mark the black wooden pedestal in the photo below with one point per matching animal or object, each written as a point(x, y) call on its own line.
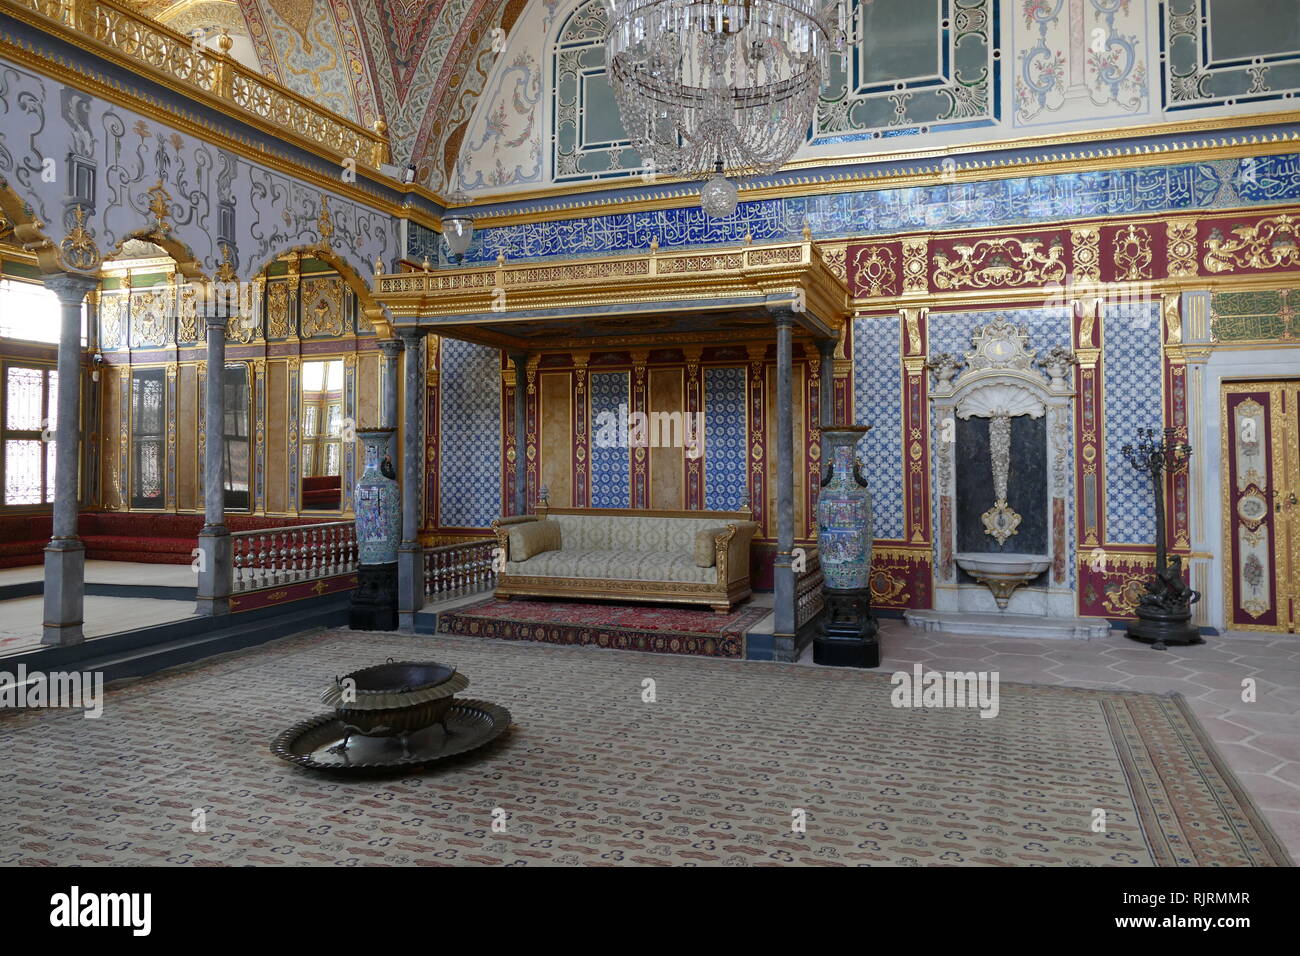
point(374, 602)
point(846, 636)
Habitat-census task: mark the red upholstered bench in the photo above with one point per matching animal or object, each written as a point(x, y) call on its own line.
point(322, 493)
point(122, 536)
point(23, 539)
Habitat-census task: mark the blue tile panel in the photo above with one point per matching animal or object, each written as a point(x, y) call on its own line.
point(878, 402)
point(1130, 367)
point(725, 438)
point(611, 478)
point(469, 458)
point(984, 204)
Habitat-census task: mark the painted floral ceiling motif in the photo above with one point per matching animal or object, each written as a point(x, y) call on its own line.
point(419, 65)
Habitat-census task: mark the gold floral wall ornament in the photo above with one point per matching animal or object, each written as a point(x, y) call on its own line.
point(322, 307)
point(915, 270)
point(160, 207)
point(6, 227)
point(226, 270)
point(110, 320)
point(874, 270)
point(1005, 262)
point(78, 250)
point(325, 224)
point(1268, 244)
point(1181, 247)
point(1086, 246)
point(150, 317)
point(1133, 253)
point(278, 300)
point(187, 322)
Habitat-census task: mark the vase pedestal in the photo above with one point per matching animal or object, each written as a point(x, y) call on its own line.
point(374, 602)
point(846, 634)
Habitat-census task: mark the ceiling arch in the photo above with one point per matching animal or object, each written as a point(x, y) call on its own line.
point(417, 64)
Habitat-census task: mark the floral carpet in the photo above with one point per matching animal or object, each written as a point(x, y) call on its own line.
point(714, 763)
point(670, 630)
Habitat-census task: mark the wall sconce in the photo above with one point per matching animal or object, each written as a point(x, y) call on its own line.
point(458, 230)
point(96, 361)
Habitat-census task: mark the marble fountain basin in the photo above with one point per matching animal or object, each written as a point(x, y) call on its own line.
point(1002, 573)
point(1028, 566)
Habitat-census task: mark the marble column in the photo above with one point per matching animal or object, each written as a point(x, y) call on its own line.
point(520, 360)
point(783, 577)
point(826, 397)
point(216, 552)
point(389, 413)
point(410, 554)
point(65, 555)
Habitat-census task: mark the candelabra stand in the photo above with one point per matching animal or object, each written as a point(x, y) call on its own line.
point(1165, 612)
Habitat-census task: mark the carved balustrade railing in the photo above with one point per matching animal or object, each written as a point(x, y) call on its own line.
point(454, 570)
point(272, 557)
point(808, 598)
point(124, 35)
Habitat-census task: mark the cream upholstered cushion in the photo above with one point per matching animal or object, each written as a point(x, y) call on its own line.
point(706, 554)
point(533, 537)
point(631, 532)
point(607, 565)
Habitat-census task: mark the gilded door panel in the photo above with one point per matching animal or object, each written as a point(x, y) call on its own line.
point(1258, 426)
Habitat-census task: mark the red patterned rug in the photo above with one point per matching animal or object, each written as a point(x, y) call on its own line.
point(664, 630)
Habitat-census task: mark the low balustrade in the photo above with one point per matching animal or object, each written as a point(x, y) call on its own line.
point(273, 557)
point(809, 599)
point(454, 570)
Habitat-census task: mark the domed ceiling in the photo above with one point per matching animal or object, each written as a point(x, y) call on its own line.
point(417, 64)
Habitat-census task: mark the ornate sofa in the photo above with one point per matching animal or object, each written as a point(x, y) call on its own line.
point(695, 557)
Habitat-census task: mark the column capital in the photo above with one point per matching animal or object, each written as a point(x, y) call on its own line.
point(217, 322)
point(782, 315)
point(519, 359)
point(391, 347)
point(827, 348)
point(411, 335)
point(70, 287)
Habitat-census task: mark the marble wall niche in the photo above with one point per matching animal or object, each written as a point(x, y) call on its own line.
point(1003, 478)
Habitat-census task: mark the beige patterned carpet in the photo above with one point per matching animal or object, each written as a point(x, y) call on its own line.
point(713, 772)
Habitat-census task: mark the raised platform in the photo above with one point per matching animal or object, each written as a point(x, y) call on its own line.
point(612, 625)
point(1009, 625)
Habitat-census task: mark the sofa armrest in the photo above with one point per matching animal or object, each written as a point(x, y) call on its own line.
point(731, 550)
point(501, 528)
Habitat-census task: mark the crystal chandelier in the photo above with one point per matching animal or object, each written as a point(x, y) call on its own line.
point(707, 89)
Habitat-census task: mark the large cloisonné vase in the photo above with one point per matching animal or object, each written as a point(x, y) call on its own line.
point(379, 503)
point(844, 521)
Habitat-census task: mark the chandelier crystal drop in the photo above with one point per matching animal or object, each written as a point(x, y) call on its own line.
point(734, 83)
point(718, 197)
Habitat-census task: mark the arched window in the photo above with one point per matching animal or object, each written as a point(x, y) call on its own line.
point(589, 141)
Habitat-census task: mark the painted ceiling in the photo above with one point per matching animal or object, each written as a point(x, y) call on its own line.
point(419, 65)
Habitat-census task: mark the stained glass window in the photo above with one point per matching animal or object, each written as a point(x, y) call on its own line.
point(235, 403)
point(322, 427)
point(31, 312)
point(148, 437)
point(29, 399)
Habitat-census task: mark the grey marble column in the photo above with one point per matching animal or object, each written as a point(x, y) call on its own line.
point(783, 578)
point(520, 360)
point(827, 394)
point(65, 555)
point(410, 555)
point(388, 414)
point(216, 550)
